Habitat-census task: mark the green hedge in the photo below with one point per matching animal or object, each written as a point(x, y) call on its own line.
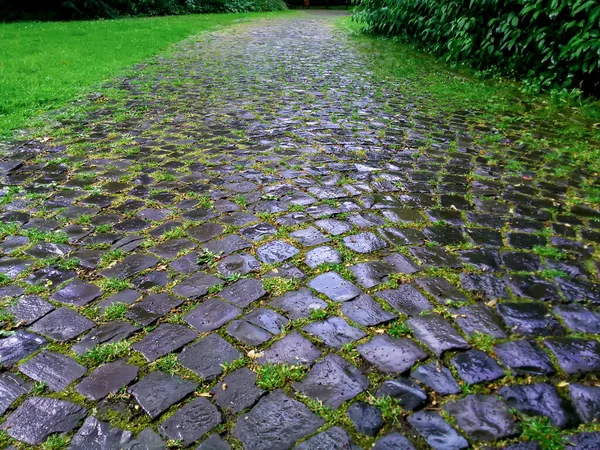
point(11, 10)
point(547, 42)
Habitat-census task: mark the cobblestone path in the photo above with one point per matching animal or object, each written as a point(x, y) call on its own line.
point(259, 245)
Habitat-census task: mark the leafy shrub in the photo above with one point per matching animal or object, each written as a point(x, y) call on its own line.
point(548, 42)
point(96, 9)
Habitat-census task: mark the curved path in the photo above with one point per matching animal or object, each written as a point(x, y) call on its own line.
point(255, 242)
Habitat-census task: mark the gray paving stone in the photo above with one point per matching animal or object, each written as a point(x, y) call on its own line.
point(237, 391)
point(298, 304)
point(107, 379)
point(166, 338)
point(55, 369)
point(334, 287)
point(366, 312)
point(334, 332)
point(30, 308)
point(277, 421)
point(62, 324)
point(292, 349)
point(38, 417)
point(205, 357)
point(437, 334)
point(211, 314)
point(158, 391)
point(18, 346)
point(191, 422)
point(97, 435)
point(11, 388)
point(243, 292)
point(391, 355)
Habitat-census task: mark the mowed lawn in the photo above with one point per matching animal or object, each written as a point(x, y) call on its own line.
point(45, 64)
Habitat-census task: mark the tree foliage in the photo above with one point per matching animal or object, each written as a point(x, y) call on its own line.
point(97, 9)
point(548, 42)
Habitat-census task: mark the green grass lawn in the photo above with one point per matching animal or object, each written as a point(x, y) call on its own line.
point(45, 64)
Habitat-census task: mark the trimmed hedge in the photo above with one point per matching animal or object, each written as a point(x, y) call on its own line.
point(11, 10)
point(550, 43)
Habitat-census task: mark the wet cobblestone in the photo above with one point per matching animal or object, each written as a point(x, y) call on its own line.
point(256, 242)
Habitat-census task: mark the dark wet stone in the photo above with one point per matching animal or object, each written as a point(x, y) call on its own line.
point(77, 293)
point(58, 371)
point(365, 220)
point(62, 324)
point(586, 400)
point(332, 381)
point(243, 292)
point(444, 235)
point(486, 237)
point(11, 388)
point(11, 243)
point(237, 391)
point(258, 232)
point(286, 270)
point(579, 319)
point(322, 255)
point(29, 308)
point(211, 314)
point(402, 264)
point(524, 358)
point(206, 356)
point(128, 243)
point(151, 280)
point(96, 435)
point(18, 346)
point(364, 242)
point(241, 263)
point(521, 262)
point(475, 366)
point(482, 417)
point(410, 395)
point(479, 318)
point(530, 286)
point(50, 276)
point(196, 286)
point(391, 355)
point(148, 439)
point(334, 287)
point(171, 248)
point(191, 422)
point(393, 441)
point(436, 431)
point(584, 441)
point(437, 377)
point(126, 297)
point(130, 266)
point(49, 250)
point(435, 257)
point(366, 311)
point(529, 319)
point(276, 251)
point(165, 339)
point(267, 319)
point(158, 391)
point(540, 399)
point(309, 237)
point(248, 333)
point(487, 285)
point(404, 236)
point(298, 304)
point(333, 227)
point(227, 245)
point(334, 332)
point(372, 273)
point(214, 442)
point(406, 299)
point(12, 290)
point(107, 379)
point(239, 219)
point(39, 417)
point(334, 438)
point(579, 290)
point(366, 419)
point(442, 290)
point(576, 355)
point(277, 421)
point(152, 308)
point(88, 259)
point(293, 349)
point(13, 267)
point(206, 231)
point(437, 334)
